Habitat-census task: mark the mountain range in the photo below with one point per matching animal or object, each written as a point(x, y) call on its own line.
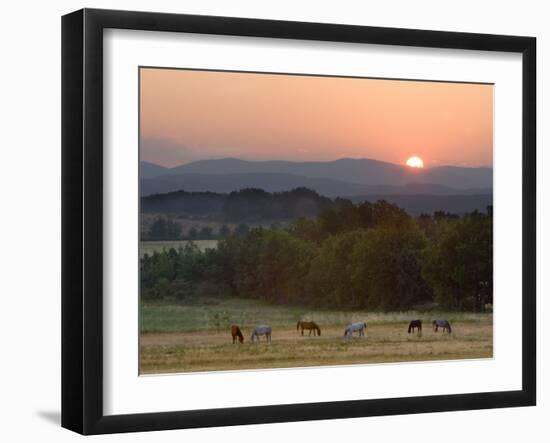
point(339, 178)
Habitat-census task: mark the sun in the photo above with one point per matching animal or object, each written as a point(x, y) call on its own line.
point(415, 162)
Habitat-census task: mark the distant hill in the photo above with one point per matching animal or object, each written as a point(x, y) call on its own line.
point(257, 204)
point(244, 205)
point(150, 170)
point(354, 171)
point(428, 204)
point(270, 182)
point(275, 182)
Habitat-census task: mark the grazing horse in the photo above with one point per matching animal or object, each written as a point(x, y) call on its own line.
point(442, 324)
point(236, 333)
point(415, 324)
point(311, 325)
point(353, 327)
point(261, 330)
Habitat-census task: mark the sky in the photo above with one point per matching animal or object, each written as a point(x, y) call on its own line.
point(188, 115)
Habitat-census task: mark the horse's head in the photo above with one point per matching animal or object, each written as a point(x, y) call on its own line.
point(241, 339)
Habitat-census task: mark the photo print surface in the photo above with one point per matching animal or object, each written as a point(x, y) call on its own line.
point(291, 220)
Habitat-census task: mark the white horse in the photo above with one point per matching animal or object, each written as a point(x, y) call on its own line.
point(261, 330)
point(355, 327)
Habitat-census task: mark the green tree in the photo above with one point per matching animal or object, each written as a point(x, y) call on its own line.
point(265, 264)
point(242, 229)
point(387, 267)
point(328, 281)
point(206, 233)
point(459, 266)
point(164, 229)
point(306, 229)
point(224, 231)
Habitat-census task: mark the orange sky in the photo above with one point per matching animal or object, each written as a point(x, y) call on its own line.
point(191, 115)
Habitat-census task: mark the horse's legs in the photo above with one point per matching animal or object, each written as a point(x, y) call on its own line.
point(302, 331)
point(234, 339)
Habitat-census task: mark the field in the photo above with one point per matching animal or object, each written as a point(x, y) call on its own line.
point(148, 247)
point(194, 336)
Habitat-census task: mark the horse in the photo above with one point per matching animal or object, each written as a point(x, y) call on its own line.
point(415, 324)
point(261, 330)
point(442, 324)
point(353, 327)
point(236, 333)
point(311, 325)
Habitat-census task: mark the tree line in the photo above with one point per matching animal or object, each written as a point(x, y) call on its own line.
point(371, 255)
point(165, 229)
point(249, 204)
point(253, 205)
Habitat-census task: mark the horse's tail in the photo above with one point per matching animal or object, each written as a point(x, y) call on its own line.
point(240, 334)
point(410, 328)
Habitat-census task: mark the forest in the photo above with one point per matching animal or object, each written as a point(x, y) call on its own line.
point(371, 255)
point(254, 204)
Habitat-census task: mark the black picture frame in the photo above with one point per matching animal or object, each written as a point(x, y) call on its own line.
point(82, 218)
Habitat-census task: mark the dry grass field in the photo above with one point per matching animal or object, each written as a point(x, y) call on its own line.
point(197, 338)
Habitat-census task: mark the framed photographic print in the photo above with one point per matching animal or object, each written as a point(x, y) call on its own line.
point(269, 221)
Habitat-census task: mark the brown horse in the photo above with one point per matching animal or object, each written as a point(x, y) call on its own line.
point(311, 325)
point(236, 332)
point(415, 324)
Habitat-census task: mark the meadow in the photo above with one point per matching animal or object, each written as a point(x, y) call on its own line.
point(194, 336)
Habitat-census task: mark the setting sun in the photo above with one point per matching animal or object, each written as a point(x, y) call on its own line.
point(415, 162)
